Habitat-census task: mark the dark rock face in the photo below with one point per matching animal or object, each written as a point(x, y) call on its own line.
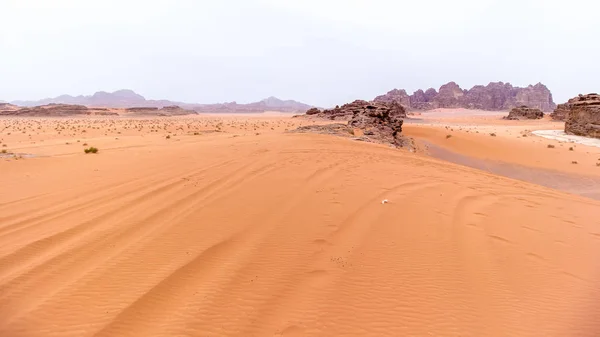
point(583, 117)
point(524, 112)
point(494, 96)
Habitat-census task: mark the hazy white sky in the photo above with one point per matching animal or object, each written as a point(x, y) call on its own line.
point(322, 52)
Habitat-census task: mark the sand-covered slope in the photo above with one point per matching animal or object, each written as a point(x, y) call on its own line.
point(285, 234)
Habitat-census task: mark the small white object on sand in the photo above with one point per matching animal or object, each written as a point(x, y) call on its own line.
point(384, 201)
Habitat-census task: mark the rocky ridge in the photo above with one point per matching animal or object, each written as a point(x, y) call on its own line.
point(495, 96)
point(51, 110)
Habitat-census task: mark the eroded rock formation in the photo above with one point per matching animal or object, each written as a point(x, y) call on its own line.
point(583, 116)
point(494, 96)
point(379, 122)
point(347, 111)
point(524, 112)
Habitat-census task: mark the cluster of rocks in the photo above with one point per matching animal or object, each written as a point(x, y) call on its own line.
point(495, 96)
point(379, 122)
point(50, 110)
point(582, 115)
point(524, 112)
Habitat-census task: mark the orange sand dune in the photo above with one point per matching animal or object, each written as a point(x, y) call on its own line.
point(256, 232)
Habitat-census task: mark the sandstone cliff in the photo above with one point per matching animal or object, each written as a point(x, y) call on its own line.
point(495, 96)
point(583, 116)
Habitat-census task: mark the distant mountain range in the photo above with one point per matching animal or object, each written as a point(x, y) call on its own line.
point(129, 99)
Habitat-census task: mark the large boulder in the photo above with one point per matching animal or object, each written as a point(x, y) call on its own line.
point(524, 112)
point(583, 117)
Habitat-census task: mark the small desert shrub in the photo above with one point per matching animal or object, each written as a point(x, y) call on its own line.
point(168, 137)
point(550, 146)
point(448, 136)
point(574, 162)
point(91, 150)
point(493, 134)
point(571, 148)
point(4, 151)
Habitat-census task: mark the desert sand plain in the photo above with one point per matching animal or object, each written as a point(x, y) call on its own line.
point(231, 226)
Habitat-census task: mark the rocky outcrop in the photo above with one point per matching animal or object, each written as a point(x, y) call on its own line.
point(51, 110)
point(524, 112)
point(583, 116)
point(171, 110)
point(313, 111)
point(495, 96)
point(347, 111)
point(560, 113)
point(379, 122)
point(382, 123)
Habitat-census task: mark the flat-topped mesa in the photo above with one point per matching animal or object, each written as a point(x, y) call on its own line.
point(524, 112)
point(494, 97)
point(583, 116)
point(169, 110)
point(142, 109)
point(52, 109)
